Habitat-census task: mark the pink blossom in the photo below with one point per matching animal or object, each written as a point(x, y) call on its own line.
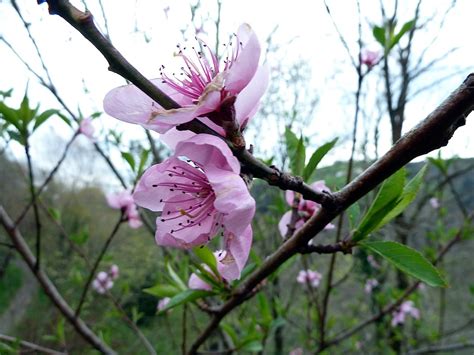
point(86, 128)
point(306, 209)
point(124, 201)
point(201, 89)
point(102, 282)
point(200, 198)
point(406, 308)
point(434, 202)
point(114, 272)
point(370, 284)
point(310, 277)
point(369, 58)
point(372, 262)
point(163, 303)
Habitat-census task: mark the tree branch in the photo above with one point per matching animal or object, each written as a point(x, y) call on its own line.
point(49, 288)
point(30, 346)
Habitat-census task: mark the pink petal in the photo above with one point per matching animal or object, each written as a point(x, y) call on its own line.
point(173, 137)
point(232, 199)
point(245, 66)
point(238, 249)
point(208, 151)
point(284, 222)
point(197, 283)
point(289, 196)
point(250, 96)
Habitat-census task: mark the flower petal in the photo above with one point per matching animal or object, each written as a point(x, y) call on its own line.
point(238, 249)
point(284, 222)
point(208, 151)
point(233, 199)
point(245, 66)
point(250, 96)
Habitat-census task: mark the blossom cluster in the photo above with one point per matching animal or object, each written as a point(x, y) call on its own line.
point(104, 281)
point(124, 201)
point(407, 308)
point(198, 192)
point(309, 277)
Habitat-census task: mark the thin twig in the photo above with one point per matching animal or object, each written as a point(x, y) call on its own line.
point(30, 346)
point(97, 262)
point(49, 288)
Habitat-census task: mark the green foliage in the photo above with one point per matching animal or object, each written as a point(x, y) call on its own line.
point(162, 290)
point(207, 257)
point(392, 199)
point(10, 283)
point(316, 157)
point(387, 37)
point(186, 296)
point(21, 118)
point(407, 260)
point(296, 152)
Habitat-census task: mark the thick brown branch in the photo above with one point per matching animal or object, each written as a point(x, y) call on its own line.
point(49, 288)
point(432, 133)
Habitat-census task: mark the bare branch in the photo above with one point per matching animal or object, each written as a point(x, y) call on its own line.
point(49, 288)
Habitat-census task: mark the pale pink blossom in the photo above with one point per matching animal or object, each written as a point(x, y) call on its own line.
point(163, 303)
point(102, 283)
point(372, 262)
point(114, 272)
point(203, 86)
point(124, 201)
point(309, 277)
point(86, 128)
point(406, 308)
point(297, 351)
point(199, 198)
point(434, 203)
point(369, 58)
point(306, 209)
point(370, 284)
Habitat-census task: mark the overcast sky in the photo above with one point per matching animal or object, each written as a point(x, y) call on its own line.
point(147, 33)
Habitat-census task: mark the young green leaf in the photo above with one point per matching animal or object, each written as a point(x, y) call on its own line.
point(207, 257)
point(130, 160)
point(162, 290)
point(186, 297)
point(10, 115)
point(43, 117)
point(384, 202)
point(296, 151)
point(379, 34)
point(317, 156)
point(174, 276)
point(408, 195)
point(405, 28)
point(407, 260)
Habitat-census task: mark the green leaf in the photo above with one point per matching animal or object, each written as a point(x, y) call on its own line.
point(42, 118)
point(174, 276)
point(253, 346)
point(186, 297)
point(354, 213)
point(55, 213)
point(439, 163)
point(6, 94)
point(162, 290)
point(317, 156)
point(130, 160)
point(384, 202)
point(379, 34)
point(405, 28)
point(296, 151)
point(16, 137)
point(64, 118)
point(408, 195)
point(227, 328)
point(299, 159)
point(207, 257)
point(407, 260)
point(143, 159)
point(10, 115)
point(81, 237)
point(264, 307)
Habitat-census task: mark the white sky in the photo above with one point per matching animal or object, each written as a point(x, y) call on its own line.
point(75, 64)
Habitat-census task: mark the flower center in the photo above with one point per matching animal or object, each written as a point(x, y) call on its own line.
point(196, 75)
